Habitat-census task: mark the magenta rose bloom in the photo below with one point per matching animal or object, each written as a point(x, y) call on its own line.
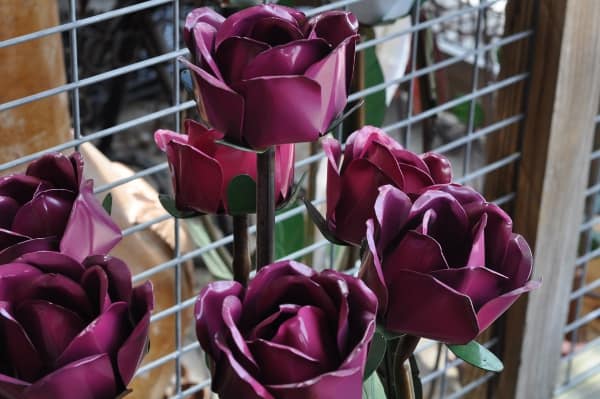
point(201, 168)
point(372, 159)
point(70, 329)
point(292, 334)
point(268, 75)
point(445, 266)
point(49, 207)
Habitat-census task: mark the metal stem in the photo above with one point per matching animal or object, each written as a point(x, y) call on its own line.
point(265, 208)
point(241, 259)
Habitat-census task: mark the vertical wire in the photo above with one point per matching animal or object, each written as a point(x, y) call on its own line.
point(474, 84)
point(413, 66)
point(177, 249)
point(443, 382)
point(74, 71)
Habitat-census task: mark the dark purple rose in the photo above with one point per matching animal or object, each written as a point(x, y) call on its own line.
point(70, 329)
point(445, 266)
point(268, 75)
point(372, 159)
point(292, 334)
point(49, 207)
point(201, 168)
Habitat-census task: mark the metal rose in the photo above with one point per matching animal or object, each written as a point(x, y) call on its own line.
point(372, 159)
point(201, 168)
point(446, 265)
point(49, 207)
point(293, 333)
point(70, 329)
point(267, 75)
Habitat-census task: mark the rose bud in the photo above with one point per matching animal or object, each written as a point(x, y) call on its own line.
point(372, 159)
point(70, 329)
point(49, 207)
point(267, 75)
point(292, 334)
point(201, 168)
point(445, 266)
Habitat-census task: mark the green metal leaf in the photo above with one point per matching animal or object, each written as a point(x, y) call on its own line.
point(375, 105)
point(169, 204)
point(388, 335)
point(214, 263)
point(373, 388)
point(321, 223)
point(289, 235)
point(375, 355)
point(241, 195)
point(478, 355)
point(107, 203)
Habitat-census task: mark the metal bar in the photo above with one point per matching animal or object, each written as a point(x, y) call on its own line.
point(440, 65)
point(585, 289)
point(581, 321)
point(74, 70)
point(136, 66)
point(102, 133)
point(588, 345)
point(489, 168)
point(146, 172)
point(415, 17)
point(167, 358)
point(142, 226)
point(328, 7)
point(578, 379)
point(469, 387)
point(84, 22)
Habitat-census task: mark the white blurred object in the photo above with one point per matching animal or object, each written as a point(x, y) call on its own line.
point(393, 54)
point(370, 12)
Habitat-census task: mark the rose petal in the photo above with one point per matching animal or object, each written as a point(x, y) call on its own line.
point(54, 263)
point(242, 22)
point(133, 350)
point(90, 229)
point(266, 328)
point(477, 255)
point(333, 150)
point(234, 55)
point(57, 169)
point(95, 282)
point(200, 15)
point(439, 166)
point(163, 137)
point(8, 210)
point(497, 306)
point(498, 233)
point(213, 96)
point(358, 191)
point(331, 73)
point(371, 271)
point(9, 238)
point(142, 301)
point(59, 290)
point(204, 40)
point(517, 263)
point(208, 312)
point(360, 141)
point(89, 378)
point(415, 179)
point(380, 156)
point(276, 31)
point(51, 206)
point(11, 388)
point(334, 26)
point(50, 327)
point(232, 313)
point(284, 170)
point(417, 297)
point(292, 365)
point(344, 383)
point(479, 284)
point(119, 276)
point(23, 355)
point(231, 380)
point(274, 116)
point(188, 164)
point(19, 187)
point(288, 59)
point(14, 279)
point(392, 207)
point(416, 252)
point(105, 334)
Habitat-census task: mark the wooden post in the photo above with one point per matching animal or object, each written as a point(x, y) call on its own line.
point(564, 91)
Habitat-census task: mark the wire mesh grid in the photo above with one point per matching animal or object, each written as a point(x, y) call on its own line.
point(581, 347)
point(121, 63)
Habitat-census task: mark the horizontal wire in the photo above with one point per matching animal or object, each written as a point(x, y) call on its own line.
point(582, 321)
point(471, 386)
point(84, 22)
point(580, 350)
point(584, 290)
point(142, 226)
point(143, 173)
point(578, 379)
point(167, 358)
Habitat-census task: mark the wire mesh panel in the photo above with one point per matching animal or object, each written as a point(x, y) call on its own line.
point(581, 350)
point(430, 79)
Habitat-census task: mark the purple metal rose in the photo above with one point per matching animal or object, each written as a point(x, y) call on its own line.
point(292, 334)
point(268, 75)
point(446, 265)
point(49, 207)
point(201, 168)
point(70, 329)
point(372, 159)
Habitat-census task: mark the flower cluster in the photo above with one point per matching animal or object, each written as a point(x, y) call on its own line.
point(71, 324)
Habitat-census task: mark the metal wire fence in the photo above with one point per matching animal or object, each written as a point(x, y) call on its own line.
point(122, 86)
point(581, 349)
